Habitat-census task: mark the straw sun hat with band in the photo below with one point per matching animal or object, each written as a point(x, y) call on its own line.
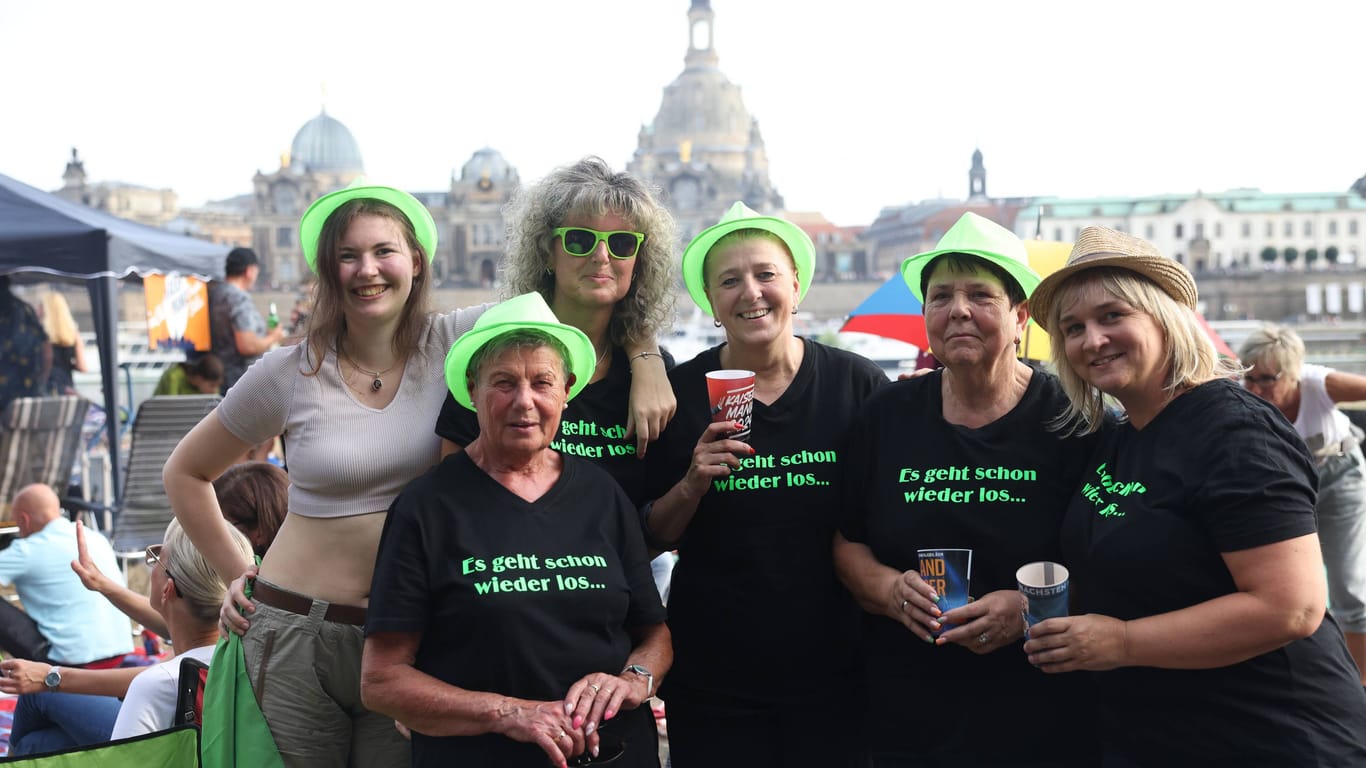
point(975, 236)
point(311, 225)
point(527, 312)
point(1104, 247)
point(740, 217)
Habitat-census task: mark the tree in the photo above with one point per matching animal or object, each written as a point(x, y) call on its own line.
point(1331, 255)
point(1291, 256)
point(1311, 255)
point(1268, 254)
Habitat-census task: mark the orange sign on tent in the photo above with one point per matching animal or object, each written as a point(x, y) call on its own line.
point(177, 311)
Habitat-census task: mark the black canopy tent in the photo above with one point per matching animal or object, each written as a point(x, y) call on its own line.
point(42, 233)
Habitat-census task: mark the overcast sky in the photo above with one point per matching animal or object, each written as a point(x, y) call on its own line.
point(862, 103)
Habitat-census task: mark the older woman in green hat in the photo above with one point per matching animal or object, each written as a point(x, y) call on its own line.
point(513, 616)
point(762, 630)
point(961, 458)
point(354, 400)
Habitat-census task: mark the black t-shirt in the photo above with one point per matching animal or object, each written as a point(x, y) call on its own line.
point(593, 426)
point(515, 597)
point(755, 609)
point(1218, 470)
point(915, 481)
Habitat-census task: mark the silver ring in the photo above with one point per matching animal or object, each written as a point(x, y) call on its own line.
point(904, 603)
point(983, 638)
point(595, 687)
point(561, 736)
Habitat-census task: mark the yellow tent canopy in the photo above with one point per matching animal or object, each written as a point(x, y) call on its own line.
point(1046, 257)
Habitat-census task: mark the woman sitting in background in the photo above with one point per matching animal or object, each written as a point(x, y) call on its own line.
point(62, 707)
point(201, 377)
point(254, 498)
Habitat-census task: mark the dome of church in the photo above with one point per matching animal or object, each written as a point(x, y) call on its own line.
point(487, 163)
point(324, 144)
point(702, 106)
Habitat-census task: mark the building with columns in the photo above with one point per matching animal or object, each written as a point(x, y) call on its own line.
point(1241, 229)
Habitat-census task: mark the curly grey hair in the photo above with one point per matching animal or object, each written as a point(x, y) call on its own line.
point(591, 188)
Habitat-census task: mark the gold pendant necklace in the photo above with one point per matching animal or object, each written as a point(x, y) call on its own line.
point(378, 383)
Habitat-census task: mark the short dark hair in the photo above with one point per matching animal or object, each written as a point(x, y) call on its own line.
point(238, 261)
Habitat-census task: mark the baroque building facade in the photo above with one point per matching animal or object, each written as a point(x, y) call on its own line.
point(703, 149)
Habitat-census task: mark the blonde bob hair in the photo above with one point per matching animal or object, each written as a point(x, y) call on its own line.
point(1191, 357)
point(1277, 344)
point(198, 583)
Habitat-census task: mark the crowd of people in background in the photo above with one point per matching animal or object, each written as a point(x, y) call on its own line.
point(454, 566)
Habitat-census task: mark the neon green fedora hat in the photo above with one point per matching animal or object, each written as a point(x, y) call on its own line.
point(976, 236)
point(311, 225)
point(519, 313)
point(740, 216)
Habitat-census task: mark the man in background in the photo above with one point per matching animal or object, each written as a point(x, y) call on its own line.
point(75, 627)
point(237, 331)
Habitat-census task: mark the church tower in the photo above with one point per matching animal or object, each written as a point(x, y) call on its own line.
point(977, 177)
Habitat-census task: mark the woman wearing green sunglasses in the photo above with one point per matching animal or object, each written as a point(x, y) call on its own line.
point(599, 248)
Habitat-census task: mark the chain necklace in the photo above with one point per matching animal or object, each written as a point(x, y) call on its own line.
point(602, 357)
point(378, 383)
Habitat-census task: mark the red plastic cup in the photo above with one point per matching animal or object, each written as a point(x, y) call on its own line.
point(731, 394)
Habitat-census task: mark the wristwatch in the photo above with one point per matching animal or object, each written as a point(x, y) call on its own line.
point(53, 679)
point(645, 673)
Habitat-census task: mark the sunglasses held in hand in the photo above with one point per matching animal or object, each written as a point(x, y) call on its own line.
point(582, 241)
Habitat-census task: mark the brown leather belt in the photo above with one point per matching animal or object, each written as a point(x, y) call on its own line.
point(302, 605)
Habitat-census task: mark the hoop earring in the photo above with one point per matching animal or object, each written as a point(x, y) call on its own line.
point(716, 323)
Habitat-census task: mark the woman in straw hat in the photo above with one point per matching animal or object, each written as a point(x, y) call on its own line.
point(1308, 395)
point(1197, 583)
point(961, 458)
point(352, 400)
point(537, 549)
point(762, 631)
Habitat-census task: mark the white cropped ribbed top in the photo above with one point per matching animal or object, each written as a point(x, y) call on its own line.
point(346, 458)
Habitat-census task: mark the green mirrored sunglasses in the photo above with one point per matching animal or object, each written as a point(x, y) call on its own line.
point(582, 241)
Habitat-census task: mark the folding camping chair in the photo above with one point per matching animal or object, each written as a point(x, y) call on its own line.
point(142, 517)
point(174, 748)
point(40, 438)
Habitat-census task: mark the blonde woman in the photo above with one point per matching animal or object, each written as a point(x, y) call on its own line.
point(68, 351)
point(1197, 591)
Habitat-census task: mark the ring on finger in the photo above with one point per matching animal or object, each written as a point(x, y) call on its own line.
point(595, 687)
point(904, 603)
point(561, 736)
point(984, 638)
